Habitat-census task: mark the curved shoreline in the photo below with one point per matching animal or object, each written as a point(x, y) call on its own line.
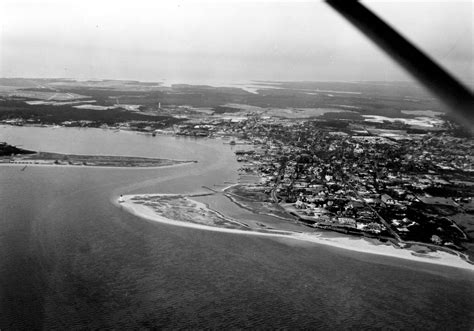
point(353, 244)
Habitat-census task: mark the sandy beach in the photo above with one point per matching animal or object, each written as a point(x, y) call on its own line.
point(349, 243)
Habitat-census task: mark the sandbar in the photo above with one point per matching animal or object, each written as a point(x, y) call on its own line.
point(349, 243)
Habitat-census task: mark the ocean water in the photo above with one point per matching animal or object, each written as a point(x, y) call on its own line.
point(69, 258)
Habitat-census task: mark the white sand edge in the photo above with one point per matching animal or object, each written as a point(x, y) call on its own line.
point(348, 243)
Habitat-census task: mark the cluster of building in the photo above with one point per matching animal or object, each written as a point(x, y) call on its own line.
point(349, 179)
point(376, 179)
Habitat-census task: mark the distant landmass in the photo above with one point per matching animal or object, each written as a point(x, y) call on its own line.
point(156, 106)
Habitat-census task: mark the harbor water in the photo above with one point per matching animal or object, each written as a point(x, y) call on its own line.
point(70, 258)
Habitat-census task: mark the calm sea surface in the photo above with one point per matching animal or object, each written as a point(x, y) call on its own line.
point(69, 258)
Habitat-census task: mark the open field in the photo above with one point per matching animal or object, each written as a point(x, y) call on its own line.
point(307, 99)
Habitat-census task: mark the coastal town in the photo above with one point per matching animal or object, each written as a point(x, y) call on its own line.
point(236, 165)
point(359, 178)
point(406, 180)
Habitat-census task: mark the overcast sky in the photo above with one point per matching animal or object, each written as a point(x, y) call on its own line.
point(195, 41)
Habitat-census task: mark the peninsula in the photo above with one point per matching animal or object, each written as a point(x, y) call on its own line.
point(12, 155)
point(183, 210)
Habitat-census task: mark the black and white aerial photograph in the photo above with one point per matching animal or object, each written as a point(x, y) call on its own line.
point(237, 164)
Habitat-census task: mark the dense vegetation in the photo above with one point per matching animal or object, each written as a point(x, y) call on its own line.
point(8, 150)
point(48, 114)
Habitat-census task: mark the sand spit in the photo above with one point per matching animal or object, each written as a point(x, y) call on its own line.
point(349, 243)
point(51, 164)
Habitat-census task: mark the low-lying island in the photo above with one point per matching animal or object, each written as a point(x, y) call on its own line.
point(24, 157)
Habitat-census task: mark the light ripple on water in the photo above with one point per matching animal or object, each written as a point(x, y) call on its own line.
point(77, 261)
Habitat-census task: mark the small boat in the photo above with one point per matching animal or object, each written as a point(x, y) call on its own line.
point(121, 199)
